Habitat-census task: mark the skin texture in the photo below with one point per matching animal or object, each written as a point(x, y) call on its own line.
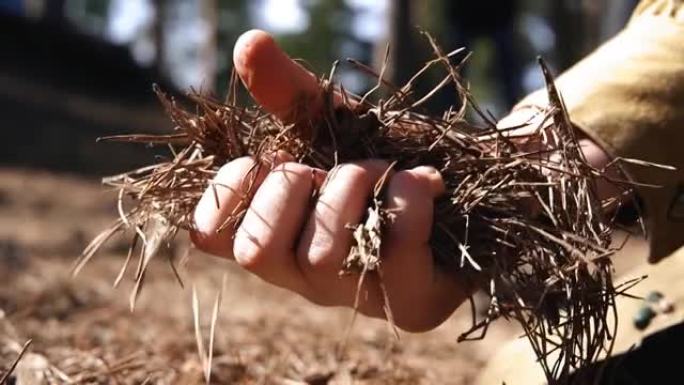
point(274, 80)
point(300, 245)
point(292, 242)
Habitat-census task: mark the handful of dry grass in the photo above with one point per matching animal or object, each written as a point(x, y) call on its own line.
point(549, 270)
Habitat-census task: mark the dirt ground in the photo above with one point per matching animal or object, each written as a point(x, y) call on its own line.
point(83, 331)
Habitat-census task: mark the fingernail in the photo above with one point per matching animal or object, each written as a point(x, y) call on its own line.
point(434, 176)
point(206, 212)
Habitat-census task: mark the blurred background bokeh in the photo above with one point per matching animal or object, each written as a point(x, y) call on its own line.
point(75, 70)
point(72, 70)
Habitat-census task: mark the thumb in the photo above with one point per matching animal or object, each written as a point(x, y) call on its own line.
point(279, 84)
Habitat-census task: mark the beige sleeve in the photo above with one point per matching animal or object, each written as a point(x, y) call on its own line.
point(628, 96)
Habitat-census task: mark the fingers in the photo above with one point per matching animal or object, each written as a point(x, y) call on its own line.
point(265, 241)
point(433, 294)
point(342, 202)
point(227, 196)
point(327, 238)
point(410, 196)
point(279, 84)
point(291, 241)
point(220, 201)
point(420, 296)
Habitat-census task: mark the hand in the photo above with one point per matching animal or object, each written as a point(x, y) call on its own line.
point(292, 242)
point(527, 116)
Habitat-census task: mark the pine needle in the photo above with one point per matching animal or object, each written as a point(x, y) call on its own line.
point(8, 373)
point(548, 269)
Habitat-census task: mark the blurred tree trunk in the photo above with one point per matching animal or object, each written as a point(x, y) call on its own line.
point(578, 29)
point(403, 59)
point(208, 52)
point(159, 37)
point(594, 18)
point(567, 22)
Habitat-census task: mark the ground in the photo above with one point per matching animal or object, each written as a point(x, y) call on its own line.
point(83, 332)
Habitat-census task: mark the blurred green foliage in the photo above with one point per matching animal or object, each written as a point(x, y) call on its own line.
point(320, 44)
point(328, 36)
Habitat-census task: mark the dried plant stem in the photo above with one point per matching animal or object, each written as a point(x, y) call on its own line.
point(524, 225)
point(8, 373)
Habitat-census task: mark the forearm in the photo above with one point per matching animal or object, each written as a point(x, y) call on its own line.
point(627, 98)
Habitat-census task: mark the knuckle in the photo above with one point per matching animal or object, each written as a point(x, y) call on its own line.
point(236, 174)
point(354, 174)
point(406, 179)
point(247, 251)
point(228, 170)
point(293, 172)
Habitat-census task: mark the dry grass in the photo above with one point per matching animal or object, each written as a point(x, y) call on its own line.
point(83, 332)
point(520, 219)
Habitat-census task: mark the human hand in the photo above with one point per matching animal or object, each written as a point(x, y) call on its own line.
point(528, 117)
point(289, 240)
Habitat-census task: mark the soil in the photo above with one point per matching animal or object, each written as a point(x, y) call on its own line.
point(82, 330)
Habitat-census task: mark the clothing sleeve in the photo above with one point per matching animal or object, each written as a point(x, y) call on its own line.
point(628, 97)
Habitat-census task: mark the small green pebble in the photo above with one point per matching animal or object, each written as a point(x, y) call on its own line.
point(643, 317)
point(654, 297)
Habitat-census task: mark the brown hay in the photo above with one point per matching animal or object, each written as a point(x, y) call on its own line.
point(550, 271)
